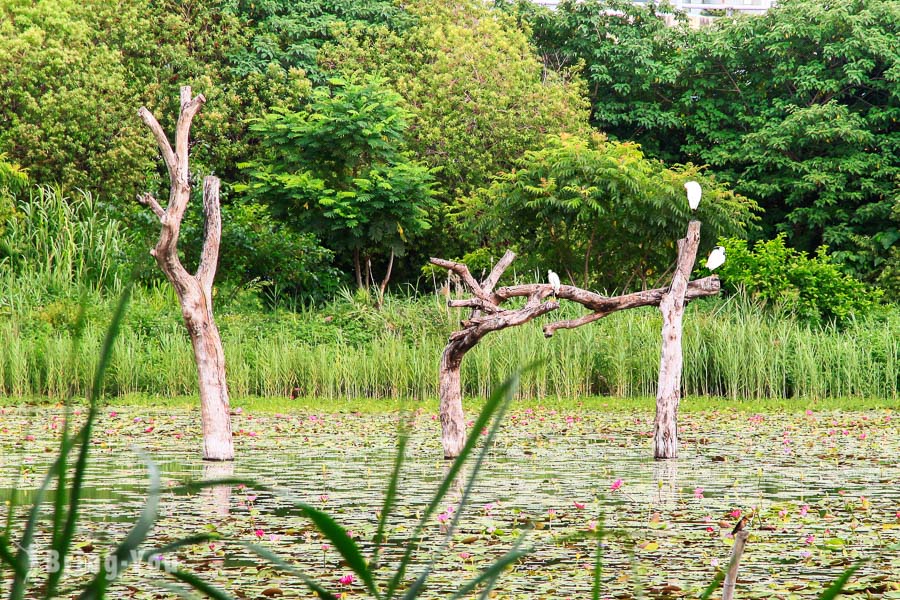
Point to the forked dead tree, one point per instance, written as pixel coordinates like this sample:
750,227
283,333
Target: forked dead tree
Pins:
488,315
194,291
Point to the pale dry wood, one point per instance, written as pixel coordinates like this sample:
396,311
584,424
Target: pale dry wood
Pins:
728,587
194,291
488,315
665,428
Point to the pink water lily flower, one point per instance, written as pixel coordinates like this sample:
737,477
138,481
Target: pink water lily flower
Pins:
578,505
616,485
698,493
347,579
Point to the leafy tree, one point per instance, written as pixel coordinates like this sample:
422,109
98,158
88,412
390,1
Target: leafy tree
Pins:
289,33
600,212
630,58
478,93
796,108
13,179
811,287
799,110
338,168
66,111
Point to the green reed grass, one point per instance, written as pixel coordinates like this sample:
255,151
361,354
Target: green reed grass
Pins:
732,350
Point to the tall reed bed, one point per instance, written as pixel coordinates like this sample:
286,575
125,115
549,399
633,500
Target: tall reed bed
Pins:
731,350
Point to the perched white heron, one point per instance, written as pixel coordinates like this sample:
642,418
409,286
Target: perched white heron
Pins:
553,278
693,193
716,258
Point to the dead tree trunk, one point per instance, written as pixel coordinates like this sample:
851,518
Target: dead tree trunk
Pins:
665,427
194,291
487,315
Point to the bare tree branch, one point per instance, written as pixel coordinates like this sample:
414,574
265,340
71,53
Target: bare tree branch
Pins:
147,199
464,274
497,272
161,140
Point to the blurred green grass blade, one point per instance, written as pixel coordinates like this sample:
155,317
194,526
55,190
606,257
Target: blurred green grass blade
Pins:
495,404
59,504
342,542
391,493
127,550
67,532
289,568
715,584
193,540
192,580
492,572
23,556
598,562
192,487
836,588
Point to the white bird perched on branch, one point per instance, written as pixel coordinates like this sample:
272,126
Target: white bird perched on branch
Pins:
553,278
693,193
716,258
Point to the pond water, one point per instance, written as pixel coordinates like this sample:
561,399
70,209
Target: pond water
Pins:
825,487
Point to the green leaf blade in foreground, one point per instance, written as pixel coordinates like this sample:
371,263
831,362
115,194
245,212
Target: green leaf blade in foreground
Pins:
127,551
343,543
495,404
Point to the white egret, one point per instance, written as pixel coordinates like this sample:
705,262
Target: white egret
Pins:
553,278
693,193
716,258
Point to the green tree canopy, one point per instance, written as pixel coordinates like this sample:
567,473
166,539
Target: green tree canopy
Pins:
338,168
601,213
797,108
476,88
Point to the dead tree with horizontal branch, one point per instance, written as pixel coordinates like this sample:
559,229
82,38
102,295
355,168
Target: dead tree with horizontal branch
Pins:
488,315
194,291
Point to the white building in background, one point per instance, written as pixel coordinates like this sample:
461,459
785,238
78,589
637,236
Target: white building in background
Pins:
703,7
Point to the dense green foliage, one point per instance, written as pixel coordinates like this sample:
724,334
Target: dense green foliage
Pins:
601,213
338,168
811,287
797,109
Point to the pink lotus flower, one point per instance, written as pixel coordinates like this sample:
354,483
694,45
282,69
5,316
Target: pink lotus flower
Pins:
323,498
113,414
710,529
698,493
615,485
325,547
259,532
592,525
347,579
736,513
809,412
809,539
465,555
149,429
442,518
804,509
29,438
578,505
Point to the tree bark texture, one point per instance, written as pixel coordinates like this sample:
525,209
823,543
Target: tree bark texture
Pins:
728,587
488,315
665,427
194,291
